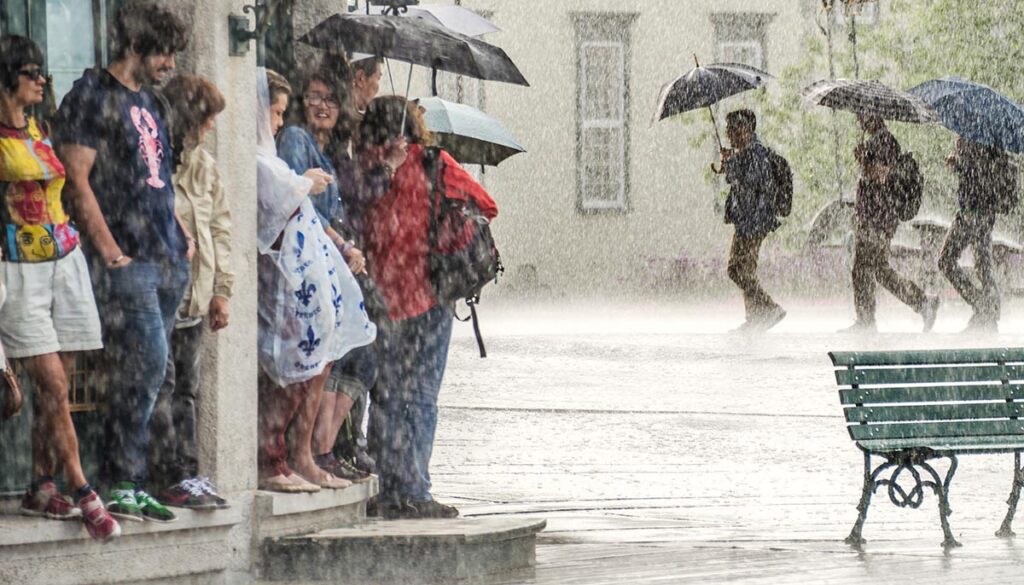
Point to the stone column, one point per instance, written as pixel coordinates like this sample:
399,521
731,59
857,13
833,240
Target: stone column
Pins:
227,418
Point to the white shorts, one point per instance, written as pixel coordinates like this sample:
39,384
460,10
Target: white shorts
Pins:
50,307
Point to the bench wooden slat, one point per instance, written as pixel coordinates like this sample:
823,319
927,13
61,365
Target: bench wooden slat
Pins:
972,428
897,394
928,375
934,412
993,444
926,357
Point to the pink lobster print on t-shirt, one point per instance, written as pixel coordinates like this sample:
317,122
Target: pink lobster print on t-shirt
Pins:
150,148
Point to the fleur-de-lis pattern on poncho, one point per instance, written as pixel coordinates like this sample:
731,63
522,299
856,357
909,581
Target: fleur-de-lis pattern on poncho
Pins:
305,293
310,343
311,307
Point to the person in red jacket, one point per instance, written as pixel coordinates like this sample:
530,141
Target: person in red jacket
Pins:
413,340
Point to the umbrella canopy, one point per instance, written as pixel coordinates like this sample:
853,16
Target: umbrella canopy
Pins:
705,86
457,18
975,111
863,96
468,134
415,41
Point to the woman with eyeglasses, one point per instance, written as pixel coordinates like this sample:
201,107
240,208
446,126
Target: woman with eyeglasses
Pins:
50,313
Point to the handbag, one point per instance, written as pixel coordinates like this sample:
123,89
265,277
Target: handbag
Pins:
11,397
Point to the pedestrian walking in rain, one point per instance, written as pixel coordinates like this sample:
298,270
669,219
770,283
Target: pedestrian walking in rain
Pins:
988,187
203,207
113,139
50,314
880,188
750,207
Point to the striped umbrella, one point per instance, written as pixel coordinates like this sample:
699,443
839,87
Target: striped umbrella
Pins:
871,97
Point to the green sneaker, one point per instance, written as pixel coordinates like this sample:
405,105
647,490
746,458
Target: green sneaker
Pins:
152,509
121,502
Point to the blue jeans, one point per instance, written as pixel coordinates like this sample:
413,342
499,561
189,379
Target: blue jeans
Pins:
137,306
403,415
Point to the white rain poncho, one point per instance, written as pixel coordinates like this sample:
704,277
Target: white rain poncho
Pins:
311,309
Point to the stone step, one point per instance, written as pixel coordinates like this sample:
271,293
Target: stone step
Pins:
414,551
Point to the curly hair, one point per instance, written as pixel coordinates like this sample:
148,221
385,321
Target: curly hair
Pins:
15,53
383,118
147,27
194,100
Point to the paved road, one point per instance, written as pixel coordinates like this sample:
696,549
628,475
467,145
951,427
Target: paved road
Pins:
662,449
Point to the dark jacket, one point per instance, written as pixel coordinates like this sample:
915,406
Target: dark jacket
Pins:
985,183
875,205
876,201
751,202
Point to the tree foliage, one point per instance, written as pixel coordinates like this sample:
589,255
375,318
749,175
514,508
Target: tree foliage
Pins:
912,42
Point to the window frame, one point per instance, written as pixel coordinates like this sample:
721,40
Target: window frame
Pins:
603,30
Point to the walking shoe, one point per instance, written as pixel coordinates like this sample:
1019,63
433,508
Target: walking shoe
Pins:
208,488
47,501
929,311
744,327
771,318
362,461
281,483
981,323
97,519
427,509
344,470
187,494
388,510
860,328
153,510
122,503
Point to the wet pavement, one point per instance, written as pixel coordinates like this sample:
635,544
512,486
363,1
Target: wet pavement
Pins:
663,449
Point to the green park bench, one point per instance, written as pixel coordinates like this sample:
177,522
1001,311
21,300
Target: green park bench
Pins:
910,409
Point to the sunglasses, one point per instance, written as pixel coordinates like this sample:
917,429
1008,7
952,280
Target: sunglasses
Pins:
315,99
33,74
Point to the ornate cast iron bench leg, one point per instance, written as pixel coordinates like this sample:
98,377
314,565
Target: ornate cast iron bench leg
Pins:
1006,531
942,490
855,539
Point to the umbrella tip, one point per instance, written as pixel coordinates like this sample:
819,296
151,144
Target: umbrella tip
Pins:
695,61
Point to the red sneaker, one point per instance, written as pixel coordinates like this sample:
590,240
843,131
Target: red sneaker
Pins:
100,524
47,501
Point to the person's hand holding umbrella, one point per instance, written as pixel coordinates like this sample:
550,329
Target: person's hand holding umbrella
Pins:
703,87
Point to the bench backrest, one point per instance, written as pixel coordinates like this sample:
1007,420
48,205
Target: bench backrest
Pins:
924,394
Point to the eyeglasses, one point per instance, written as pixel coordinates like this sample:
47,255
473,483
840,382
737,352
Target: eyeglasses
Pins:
315,99
33,74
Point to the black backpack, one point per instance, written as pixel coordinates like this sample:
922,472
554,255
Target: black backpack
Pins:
910,184
463,257
782,179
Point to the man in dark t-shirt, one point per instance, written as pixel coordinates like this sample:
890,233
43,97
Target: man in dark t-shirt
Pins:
113,140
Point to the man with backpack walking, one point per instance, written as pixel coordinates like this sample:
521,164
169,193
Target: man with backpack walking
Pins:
888,191
988,186
759,180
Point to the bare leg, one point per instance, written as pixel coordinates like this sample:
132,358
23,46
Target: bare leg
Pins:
334,409
322,434
59,444
300,451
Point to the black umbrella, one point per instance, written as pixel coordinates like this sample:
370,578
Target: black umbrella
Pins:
703,87
415,41
706,86
871,97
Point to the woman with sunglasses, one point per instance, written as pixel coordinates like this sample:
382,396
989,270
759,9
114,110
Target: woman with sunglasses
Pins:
50,313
